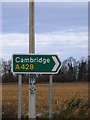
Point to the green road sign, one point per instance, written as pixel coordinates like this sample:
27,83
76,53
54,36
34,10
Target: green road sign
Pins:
35,64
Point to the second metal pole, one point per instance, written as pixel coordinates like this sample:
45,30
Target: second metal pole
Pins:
50,96
20,93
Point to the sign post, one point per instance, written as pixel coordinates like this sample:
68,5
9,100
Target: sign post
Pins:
20,92
34,64
50,96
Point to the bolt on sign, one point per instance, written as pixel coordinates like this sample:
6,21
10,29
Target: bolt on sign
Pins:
35,64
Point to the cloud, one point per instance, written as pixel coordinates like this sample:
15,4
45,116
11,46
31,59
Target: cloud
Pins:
63,44
62,38
13,40
57,16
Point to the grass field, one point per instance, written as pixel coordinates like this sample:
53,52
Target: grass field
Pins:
69,99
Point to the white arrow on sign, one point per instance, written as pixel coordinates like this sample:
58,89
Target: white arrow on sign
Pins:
56,63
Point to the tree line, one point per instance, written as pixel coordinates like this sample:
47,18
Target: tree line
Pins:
71,71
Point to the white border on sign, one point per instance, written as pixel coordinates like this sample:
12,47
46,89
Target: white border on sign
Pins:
35,72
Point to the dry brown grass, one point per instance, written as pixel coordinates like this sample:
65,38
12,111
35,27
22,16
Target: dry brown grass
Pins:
61,93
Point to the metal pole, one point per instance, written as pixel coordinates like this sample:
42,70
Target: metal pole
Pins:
50,96
32,92
31,28
20,92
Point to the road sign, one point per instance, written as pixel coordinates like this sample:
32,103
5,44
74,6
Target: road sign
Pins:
35,64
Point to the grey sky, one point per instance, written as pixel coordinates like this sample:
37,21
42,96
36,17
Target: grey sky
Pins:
60,28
